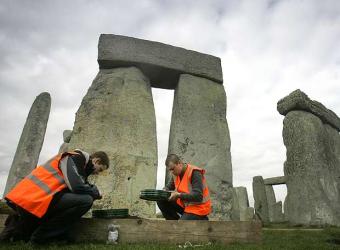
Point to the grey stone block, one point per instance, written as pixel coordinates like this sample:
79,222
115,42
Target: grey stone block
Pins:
117,116
275,180
64,147
67,135
270,194
274,208
161,63
276,212
241,210
199,133
312,169
260,199
31,140
297,100
247,214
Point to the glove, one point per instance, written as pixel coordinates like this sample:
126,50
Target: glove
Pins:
95,193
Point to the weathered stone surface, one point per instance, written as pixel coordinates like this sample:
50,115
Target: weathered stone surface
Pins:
117,116
240,210
274,208
31,140
270,194
247,214
275,180
260,199
275,212
64,147
312,169
297,100
67,135
162,63
199,133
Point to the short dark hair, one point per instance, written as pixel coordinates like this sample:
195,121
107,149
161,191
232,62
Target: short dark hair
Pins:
172,158
103,158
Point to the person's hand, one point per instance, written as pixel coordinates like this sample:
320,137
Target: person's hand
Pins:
174,196
97,195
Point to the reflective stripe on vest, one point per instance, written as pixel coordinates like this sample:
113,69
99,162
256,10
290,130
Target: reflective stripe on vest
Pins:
41,184
54,172
35,192
184,186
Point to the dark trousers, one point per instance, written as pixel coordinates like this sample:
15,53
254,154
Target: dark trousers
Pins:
56,223
172,211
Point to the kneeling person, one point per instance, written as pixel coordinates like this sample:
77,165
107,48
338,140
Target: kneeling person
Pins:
53,197
190,198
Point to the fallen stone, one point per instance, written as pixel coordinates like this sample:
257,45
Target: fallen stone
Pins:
161,63
31,140
199,134
297,100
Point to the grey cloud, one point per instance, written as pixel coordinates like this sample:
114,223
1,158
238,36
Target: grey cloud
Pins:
268,49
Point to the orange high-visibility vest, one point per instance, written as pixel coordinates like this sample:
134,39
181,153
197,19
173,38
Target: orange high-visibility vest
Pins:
34,193
184,186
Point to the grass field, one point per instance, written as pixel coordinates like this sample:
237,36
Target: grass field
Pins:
272,239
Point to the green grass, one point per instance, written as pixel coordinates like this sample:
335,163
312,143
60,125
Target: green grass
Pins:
272,239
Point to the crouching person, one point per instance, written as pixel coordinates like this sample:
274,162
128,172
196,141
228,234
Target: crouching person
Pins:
53,197
189,198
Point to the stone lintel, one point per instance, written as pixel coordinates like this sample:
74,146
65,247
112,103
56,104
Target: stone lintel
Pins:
275,180
297,100
161,63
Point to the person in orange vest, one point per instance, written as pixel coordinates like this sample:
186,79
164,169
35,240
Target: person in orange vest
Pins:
189,199
53,197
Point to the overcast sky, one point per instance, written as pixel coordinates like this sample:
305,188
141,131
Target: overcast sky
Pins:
268,49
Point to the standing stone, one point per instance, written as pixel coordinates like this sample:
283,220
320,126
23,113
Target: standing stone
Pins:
199,134
274,208
67,137
117,116
241,210
31,140
64,147
312,169
270,194
275,212
260,199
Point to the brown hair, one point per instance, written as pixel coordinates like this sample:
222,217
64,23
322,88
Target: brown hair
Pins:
172,158
103,158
